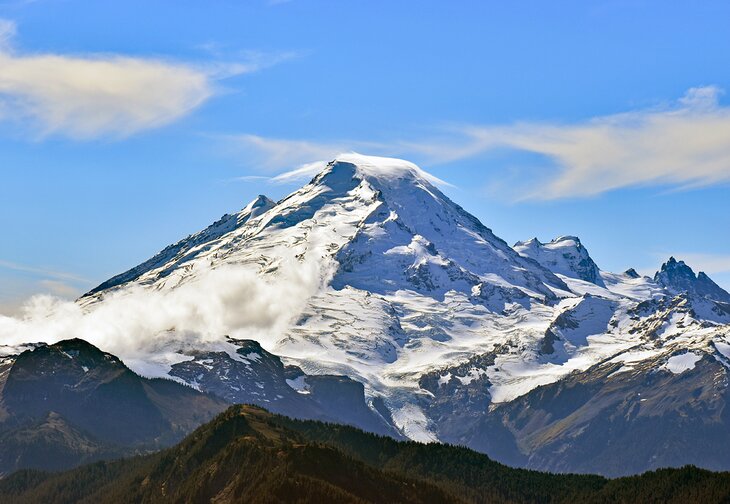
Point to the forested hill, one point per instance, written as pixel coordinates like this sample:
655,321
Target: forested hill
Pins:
247,454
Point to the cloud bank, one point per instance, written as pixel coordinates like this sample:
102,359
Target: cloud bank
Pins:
90,96
681,145
148,328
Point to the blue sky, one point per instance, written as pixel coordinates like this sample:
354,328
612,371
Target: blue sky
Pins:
125,126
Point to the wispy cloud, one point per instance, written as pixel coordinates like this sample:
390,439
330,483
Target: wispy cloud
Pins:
273,155
43,272
681,145
306,157
36,280
7,32
60,289
304,172
88,96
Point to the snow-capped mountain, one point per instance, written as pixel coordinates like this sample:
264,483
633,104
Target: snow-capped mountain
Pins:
454,335
565,255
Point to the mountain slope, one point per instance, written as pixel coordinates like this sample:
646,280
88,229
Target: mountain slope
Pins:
385,245
70,402
249,455
185,250
372,273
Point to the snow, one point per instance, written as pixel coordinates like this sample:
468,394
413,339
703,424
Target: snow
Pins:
474,374
387,169
724,348
252,356
444,379
678,364
590,315
564,255
411,420
622,369
299,384
156,365
370,271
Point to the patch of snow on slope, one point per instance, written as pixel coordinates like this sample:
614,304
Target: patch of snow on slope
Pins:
723,347
678,364
299,384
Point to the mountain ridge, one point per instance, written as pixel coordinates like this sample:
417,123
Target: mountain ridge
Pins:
290,460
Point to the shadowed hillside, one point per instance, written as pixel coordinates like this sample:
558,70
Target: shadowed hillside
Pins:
250,455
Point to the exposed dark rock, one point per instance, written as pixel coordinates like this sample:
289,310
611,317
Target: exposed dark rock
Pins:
678,277
256,376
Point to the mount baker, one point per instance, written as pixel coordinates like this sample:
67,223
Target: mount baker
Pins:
368,297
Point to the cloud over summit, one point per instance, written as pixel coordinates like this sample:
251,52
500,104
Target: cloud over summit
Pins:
682,145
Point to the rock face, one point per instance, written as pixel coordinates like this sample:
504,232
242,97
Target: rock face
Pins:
677,277
617,419
254,376
420,322
69,403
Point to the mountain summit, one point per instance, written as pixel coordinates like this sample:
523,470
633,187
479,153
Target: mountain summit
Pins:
678,277
565,255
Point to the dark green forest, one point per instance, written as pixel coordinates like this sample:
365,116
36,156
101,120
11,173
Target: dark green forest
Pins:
247,454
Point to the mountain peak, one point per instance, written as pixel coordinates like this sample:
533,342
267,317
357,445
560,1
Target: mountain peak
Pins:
259,205
632,273
567,238
259,201
377,169
677,276
565,255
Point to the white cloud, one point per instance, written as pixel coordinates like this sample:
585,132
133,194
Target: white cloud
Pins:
136,322
277,154
103,95
682,145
